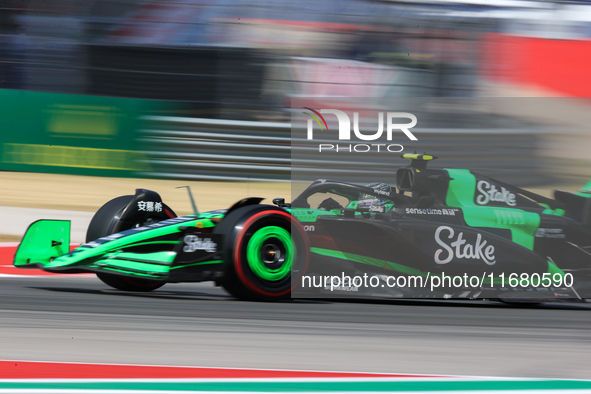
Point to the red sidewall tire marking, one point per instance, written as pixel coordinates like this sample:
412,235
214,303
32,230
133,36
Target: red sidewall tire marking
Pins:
238,255
169,214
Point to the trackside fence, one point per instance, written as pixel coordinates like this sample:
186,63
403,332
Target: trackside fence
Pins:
210,149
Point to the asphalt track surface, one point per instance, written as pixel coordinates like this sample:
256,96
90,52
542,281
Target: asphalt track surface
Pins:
78,319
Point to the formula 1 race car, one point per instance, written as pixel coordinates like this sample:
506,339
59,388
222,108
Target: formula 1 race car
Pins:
436,224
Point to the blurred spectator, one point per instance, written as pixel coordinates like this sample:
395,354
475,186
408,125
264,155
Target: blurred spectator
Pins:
239,58
11,57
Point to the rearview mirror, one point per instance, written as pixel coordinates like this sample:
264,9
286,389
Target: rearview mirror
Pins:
405,179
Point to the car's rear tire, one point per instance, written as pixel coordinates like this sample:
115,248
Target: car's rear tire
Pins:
103,223
266,253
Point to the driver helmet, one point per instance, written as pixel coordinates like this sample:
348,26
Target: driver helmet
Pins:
379,198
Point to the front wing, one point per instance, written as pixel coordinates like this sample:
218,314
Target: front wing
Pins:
170,251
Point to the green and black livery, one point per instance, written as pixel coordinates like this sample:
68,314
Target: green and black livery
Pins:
434,222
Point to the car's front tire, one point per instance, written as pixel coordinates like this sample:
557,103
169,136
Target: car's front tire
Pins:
104,222
266,252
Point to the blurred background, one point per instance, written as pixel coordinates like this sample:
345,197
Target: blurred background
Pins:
98,97
202,89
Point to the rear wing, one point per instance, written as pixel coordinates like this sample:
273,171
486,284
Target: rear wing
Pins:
44,240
